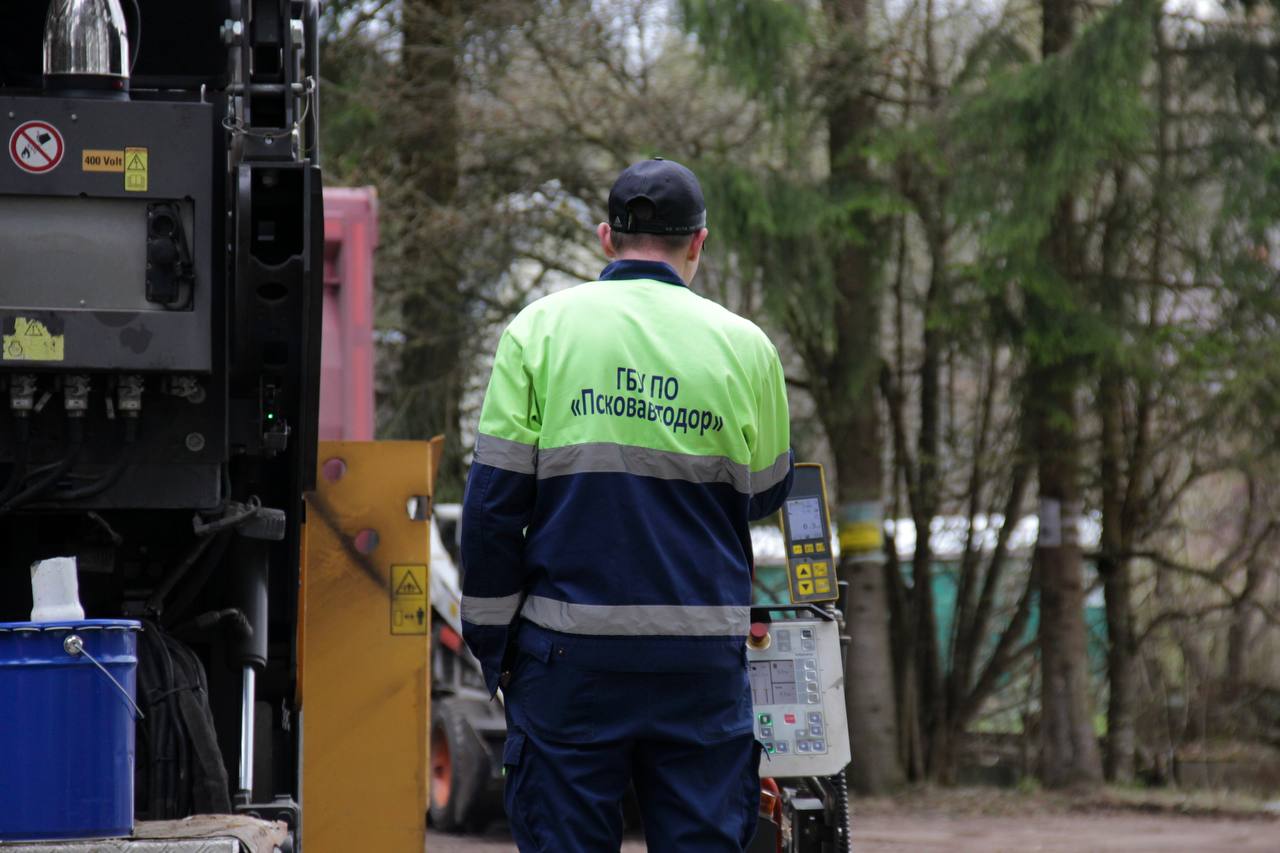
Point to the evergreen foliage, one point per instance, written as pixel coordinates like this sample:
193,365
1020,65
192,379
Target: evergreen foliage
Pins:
1034,136
1152,136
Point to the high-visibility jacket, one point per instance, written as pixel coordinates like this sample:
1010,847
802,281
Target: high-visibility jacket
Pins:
630,431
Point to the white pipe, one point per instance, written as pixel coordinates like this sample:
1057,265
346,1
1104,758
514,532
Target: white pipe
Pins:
247,699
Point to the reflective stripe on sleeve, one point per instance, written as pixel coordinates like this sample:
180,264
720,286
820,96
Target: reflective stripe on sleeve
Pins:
636,620
771,476
490,611
609,458
505,454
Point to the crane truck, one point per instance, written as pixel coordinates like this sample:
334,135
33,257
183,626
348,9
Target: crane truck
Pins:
160,250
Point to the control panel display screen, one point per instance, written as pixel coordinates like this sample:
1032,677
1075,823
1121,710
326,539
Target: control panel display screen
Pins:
804,516
773,682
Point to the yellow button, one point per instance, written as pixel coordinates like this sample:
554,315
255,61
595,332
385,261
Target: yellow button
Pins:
819,570
821,547
808,548
802,570
822,585
796,549
805,587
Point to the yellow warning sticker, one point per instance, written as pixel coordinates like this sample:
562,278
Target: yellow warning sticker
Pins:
98,160
135,170
32,341
410,613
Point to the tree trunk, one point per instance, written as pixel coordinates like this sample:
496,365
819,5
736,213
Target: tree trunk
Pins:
1069,747
853,427
431,361
1069,750
1113,567
1117,495
924,508
1244,619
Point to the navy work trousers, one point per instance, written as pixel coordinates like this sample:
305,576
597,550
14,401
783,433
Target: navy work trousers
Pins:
578,734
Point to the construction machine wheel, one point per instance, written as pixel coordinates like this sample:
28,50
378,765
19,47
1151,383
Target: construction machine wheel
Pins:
459,767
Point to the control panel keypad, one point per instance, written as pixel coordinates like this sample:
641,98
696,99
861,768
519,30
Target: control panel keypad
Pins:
803,732
807,528
797,699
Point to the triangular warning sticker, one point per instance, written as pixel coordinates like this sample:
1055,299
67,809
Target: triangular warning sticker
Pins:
136,164
409,585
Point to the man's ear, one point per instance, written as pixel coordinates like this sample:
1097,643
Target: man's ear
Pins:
605,233
695,245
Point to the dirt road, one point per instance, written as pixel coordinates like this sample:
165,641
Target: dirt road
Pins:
1115,832
1124,833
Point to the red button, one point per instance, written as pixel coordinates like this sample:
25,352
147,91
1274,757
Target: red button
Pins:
790,718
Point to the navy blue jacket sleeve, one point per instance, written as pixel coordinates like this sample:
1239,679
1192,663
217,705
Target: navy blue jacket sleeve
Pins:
766,502
496,510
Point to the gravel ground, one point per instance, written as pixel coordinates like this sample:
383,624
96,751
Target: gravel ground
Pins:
1112,832
1125,833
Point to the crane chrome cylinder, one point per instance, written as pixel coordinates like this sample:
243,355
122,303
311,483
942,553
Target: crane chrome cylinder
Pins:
86,45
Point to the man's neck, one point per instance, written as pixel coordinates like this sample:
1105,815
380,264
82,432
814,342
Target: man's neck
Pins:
642,268
676,264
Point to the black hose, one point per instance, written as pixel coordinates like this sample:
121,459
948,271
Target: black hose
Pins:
209,559
75,430
211,619
22,434
109,479
155,604
183,767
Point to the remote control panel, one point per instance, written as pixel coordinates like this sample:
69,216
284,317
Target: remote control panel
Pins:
811,571
797,690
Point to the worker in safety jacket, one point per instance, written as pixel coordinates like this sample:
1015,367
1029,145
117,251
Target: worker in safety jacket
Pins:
630,431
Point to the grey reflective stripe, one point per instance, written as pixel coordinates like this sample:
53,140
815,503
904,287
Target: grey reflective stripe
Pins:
490,611
608,458
505,454
771,476
636,620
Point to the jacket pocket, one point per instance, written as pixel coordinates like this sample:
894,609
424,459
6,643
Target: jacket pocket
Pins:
553,698
512,749
727,712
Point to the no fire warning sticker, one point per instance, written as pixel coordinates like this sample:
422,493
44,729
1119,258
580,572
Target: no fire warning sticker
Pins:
409,609
36,147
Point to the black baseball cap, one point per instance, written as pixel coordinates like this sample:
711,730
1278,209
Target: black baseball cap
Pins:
657,197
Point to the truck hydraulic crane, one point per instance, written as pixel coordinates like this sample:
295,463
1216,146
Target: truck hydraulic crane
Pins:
160,254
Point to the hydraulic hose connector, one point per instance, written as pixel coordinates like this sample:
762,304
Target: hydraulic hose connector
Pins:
22,394
129,396
75,395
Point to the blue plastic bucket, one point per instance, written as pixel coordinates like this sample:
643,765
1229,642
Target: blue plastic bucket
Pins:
66,729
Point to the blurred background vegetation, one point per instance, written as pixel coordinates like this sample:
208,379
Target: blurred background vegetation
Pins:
1020,258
